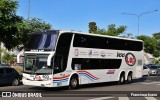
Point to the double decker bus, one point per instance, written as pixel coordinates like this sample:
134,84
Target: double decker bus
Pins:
68,58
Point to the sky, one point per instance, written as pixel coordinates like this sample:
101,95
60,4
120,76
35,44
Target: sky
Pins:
76,14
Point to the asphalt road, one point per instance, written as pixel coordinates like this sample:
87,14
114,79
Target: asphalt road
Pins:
146,88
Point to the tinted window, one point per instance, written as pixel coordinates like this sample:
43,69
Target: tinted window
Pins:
1,70
42,41
90,63
87,41
9,70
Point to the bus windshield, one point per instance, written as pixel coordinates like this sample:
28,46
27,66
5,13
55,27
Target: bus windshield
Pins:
41,41
37,64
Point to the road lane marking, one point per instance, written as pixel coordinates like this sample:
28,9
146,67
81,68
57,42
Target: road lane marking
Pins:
123,98
150,98
101,98
154,82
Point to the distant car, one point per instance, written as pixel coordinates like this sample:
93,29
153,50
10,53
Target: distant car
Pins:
146,71
154,70
9,75
149,65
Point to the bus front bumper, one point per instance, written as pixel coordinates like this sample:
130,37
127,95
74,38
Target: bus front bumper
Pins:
38,83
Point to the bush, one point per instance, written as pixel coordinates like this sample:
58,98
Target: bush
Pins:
156,61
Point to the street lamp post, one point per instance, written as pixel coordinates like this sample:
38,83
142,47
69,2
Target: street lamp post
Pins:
139,15
28,9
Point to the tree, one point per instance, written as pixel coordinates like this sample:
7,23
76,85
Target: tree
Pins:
7,58
156,53
92,27
111,30
14,30
28,27
9,22
150,43
156,35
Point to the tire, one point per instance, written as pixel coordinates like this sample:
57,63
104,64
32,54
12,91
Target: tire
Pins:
15,82
157,73
74,83
129,78
121,79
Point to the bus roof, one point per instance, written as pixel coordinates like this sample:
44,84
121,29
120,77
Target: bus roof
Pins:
85,33
91,34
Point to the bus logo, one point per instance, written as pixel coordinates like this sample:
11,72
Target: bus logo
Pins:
130,59
103,54
76,52
90,52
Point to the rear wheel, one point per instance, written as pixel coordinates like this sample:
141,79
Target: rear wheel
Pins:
129,78
121,79
74,83
157,73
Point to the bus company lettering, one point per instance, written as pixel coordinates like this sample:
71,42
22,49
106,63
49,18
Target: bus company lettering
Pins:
129,58
120,54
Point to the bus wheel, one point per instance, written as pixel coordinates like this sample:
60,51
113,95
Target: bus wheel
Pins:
73,83
129,78
121,79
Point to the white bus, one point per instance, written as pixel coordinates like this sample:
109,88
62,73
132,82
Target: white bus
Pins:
68,58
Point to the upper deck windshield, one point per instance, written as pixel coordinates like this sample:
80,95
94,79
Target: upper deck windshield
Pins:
37,64
42,41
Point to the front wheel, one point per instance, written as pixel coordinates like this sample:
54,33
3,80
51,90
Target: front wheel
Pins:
15,82
74,83
148,73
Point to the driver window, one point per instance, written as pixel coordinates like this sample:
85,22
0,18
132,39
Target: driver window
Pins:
58,64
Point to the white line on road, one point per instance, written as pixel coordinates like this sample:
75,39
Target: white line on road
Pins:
150,98
101,98
123,98
154,82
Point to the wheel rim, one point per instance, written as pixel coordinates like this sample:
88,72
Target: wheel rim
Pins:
129,78
16,82
122,79
74,83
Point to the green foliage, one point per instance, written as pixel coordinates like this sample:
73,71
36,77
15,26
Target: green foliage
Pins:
14,30
7,58
150,43
156,53
112,30
9,22
156,35
92,27
156,61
